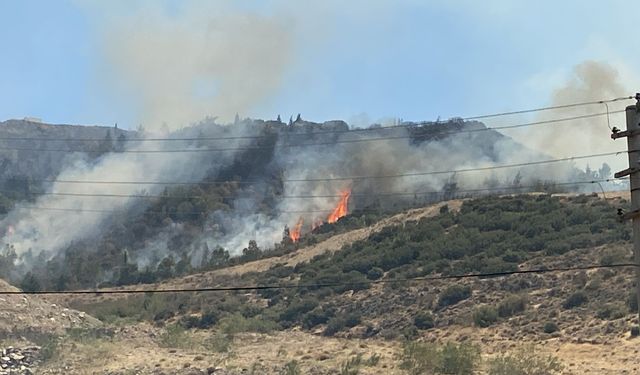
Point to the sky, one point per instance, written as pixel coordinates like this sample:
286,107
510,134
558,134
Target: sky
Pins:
65,61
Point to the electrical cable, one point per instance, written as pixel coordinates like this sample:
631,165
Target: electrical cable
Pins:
343,178
294,145
319,285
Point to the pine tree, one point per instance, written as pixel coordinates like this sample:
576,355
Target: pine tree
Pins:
206,255
279,119
107,143
120,142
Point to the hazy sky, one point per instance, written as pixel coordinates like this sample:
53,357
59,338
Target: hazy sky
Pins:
354,60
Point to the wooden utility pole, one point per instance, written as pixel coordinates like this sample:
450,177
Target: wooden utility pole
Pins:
633,144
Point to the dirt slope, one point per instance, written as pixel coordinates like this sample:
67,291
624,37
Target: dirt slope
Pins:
24,315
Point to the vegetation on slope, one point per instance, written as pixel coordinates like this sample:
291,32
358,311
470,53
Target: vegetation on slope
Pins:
488,235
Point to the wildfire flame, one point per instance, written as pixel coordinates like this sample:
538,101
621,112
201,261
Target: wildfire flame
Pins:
294,233
341,208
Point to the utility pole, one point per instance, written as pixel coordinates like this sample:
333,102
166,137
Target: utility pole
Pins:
633,147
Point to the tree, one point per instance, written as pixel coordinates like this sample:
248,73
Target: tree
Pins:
290,120
206,254
7,261
30,283
120,142
279,119
517,180
107,143
165,268
183,266
298,118
219,257
236,120
251,252
605,171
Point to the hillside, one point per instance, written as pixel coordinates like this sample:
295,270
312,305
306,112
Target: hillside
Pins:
582,317
256,192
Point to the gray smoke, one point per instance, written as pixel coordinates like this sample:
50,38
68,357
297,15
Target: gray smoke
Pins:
208,59
589,81
385,157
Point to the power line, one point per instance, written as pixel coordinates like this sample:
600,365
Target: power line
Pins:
344,178
564,106
290,134
503,188
293,145
312,196
323,285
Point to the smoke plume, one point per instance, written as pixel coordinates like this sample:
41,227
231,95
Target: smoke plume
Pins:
205,60
589,81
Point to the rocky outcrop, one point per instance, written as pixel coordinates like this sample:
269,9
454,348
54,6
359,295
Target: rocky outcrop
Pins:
18,361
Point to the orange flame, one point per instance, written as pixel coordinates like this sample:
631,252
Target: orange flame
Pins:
342,207
294,233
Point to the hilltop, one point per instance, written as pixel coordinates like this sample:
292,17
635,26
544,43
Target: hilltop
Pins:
22,140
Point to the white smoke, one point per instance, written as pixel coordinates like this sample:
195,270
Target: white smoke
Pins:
49,229
207,59
589,81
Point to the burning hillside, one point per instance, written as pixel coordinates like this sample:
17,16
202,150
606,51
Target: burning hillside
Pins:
341,210
260,177
342,207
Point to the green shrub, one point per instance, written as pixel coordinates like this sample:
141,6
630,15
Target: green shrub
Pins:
454,294
316,317
576,299
427,358
340,322
550,327
351,366
237,323
632,302
524,362
420,358
49,349
297,308
611,311
175,336
219,343
375,273
459,359
512,305
484,316
423,320
614,256
203,321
